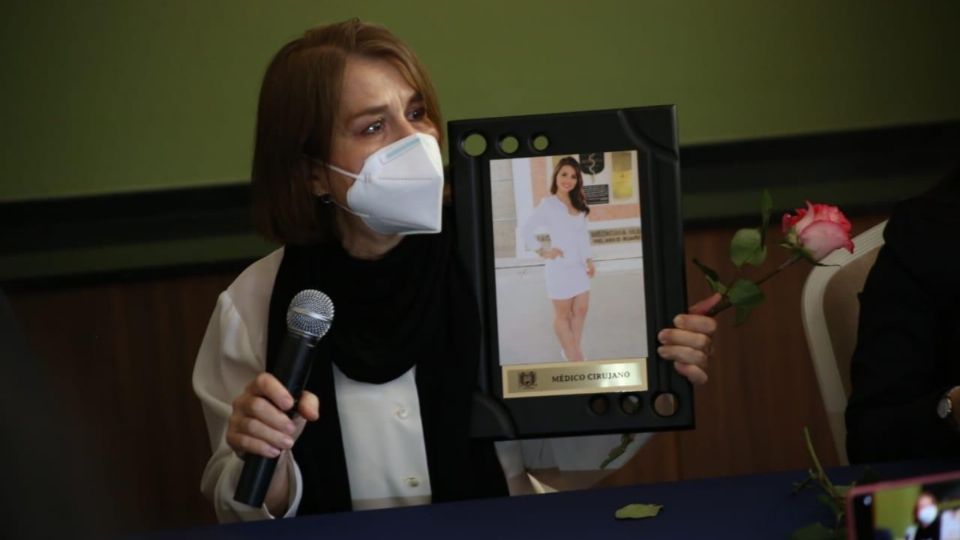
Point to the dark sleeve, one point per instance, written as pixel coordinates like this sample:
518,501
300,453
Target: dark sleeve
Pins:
904,360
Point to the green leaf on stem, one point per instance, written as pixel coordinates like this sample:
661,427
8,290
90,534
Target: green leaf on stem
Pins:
747,248
625,440
744,295
711,276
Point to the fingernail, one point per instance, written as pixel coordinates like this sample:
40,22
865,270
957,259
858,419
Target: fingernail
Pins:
662,336
291,428
274,452
288,442
677,320
661,350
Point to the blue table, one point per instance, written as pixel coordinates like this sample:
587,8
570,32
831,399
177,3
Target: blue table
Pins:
756,506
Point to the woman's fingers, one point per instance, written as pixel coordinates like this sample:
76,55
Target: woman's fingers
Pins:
697,340
264,411
683,354
309,406
694,374
255,429
268,386
243,444
689,345
703,306
258,423
695,323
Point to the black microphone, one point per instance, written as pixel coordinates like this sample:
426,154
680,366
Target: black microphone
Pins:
308,319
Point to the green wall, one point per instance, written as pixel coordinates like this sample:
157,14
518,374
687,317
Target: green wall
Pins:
126,95
894,509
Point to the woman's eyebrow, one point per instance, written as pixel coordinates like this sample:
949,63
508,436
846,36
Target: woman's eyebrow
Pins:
369,111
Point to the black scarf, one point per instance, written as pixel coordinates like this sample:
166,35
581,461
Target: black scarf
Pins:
411,308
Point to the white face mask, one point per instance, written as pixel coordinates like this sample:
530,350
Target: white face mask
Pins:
926,515
399,190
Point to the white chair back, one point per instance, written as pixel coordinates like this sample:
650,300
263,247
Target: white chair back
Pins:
830,311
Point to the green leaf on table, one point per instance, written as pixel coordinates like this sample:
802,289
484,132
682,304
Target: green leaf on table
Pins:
747,247
638,511
711,276
813,531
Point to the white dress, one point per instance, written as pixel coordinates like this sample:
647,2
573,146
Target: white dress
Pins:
566,276
381,427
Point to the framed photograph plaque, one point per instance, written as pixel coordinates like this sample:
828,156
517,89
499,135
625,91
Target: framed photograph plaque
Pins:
571,229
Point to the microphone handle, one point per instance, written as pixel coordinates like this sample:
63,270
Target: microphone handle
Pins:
292,370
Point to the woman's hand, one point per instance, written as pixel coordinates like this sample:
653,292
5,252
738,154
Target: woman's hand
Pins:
551,253
258,423
591,269
689,344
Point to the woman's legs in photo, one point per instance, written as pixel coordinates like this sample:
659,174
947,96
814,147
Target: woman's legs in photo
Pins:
581,303
562,325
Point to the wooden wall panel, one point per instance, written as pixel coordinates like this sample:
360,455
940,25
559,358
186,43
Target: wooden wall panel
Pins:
123,353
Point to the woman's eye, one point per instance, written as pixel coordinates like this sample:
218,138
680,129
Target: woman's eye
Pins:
373,128
418,114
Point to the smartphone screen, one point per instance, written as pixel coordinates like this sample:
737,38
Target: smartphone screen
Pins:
920,508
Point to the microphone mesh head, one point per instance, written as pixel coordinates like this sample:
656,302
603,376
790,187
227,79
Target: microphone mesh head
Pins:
310,314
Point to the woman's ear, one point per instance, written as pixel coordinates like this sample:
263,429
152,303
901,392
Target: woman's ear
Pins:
319,179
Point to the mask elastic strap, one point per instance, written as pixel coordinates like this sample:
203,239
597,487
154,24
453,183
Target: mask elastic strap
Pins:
345,209
341,171
345,173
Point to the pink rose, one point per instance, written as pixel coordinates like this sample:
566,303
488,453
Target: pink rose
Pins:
819,229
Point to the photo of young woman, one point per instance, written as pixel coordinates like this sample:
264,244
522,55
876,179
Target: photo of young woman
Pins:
569,265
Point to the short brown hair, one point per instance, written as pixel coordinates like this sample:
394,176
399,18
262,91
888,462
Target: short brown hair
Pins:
299,103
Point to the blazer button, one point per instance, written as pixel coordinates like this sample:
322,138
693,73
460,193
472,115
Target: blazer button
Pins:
402,413
413,481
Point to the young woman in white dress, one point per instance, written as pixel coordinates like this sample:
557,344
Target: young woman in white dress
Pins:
569,266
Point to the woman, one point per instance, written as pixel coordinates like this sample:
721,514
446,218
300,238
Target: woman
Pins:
569,266
926,513
342,110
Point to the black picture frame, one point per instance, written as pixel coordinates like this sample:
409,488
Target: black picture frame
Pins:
651,132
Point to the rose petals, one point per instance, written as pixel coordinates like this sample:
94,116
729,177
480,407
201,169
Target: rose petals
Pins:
819,229
823,237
